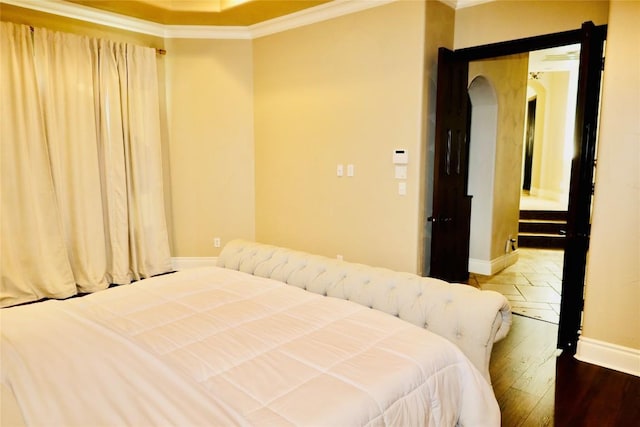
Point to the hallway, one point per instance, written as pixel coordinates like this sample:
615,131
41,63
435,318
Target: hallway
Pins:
533,285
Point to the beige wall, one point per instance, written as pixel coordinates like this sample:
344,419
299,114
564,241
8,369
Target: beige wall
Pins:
550,179
210,120
612,300
504,20
508,76
538,142
344,91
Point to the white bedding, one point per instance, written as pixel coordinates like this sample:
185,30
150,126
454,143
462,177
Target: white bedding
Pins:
216,347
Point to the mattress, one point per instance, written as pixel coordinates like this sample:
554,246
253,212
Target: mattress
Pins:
217,347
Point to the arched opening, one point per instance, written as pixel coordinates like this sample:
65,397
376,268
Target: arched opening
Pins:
482,153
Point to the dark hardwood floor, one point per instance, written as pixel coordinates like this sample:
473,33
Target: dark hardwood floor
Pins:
536,387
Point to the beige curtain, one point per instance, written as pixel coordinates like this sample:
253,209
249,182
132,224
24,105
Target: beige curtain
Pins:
34,258
82,198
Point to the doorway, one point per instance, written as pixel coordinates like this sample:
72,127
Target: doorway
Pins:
451,116
527,269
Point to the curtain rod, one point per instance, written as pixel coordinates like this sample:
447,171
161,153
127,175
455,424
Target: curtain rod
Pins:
159,51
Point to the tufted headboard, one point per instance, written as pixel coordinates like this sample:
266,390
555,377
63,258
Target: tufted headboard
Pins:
470,318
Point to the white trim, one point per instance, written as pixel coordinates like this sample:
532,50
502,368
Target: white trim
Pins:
304,17
313,15
607,355
461,4
89,14
206,32
451,3
489,268
183,263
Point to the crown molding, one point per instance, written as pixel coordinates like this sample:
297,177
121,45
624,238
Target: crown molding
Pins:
461,4
451,3
304,17
313,15
206,32
88,14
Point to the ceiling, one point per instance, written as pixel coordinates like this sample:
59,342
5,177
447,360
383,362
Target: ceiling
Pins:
218,19
242,13
202,12
561,58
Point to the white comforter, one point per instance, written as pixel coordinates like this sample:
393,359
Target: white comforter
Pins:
216,347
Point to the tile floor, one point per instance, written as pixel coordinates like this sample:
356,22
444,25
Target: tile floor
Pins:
532,285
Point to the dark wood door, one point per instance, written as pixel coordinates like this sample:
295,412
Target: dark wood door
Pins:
452,71
450,219
581,185
528,147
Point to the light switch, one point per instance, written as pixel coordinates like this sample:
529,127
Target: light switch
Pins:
350,170
401,172
402,188
340,170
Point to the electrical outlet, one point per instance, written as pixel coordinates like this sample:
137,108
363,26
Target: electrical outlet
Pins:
216,242
511,244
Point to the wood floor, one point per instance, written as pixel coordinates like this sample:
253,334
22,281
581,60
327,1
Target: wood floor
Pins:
535,387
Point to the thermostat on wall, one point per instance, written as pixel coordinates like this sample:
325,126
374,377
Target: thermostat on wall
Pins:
400,156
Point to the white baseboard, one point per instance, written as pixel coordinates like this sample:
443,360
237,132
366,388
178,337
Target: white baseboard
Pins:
607,355
491,267
183,263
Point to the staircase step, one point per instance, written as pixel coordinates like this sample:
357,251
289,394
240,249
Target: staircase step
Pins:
544,215
544,227
528,240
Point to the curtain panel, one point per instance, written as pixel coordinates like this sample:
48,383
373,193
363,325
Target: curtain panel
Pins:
82,198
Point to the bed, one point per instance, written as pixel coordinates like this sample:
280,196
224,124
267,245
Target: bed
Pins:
270,336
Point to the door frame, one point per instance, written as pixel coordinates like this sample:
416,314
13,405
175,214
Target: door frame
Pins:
591,38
